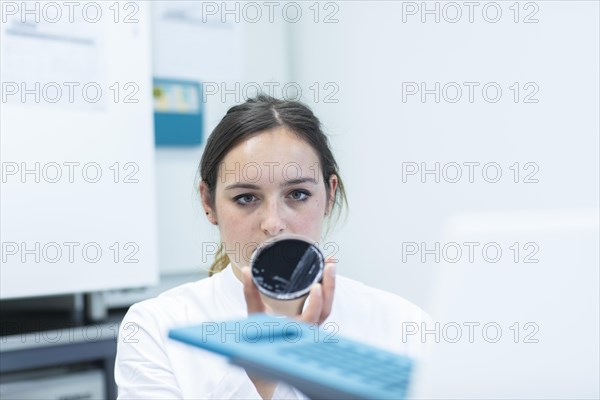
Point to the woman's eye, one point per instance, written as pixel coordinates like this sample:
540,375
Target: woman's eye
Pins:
300,195
244,199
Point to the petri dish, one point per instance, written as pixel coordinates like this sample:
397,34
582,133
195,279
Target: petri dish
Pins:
285,268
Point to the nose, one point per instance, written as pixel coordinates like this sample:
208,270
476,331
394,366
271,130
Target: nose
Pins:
273,221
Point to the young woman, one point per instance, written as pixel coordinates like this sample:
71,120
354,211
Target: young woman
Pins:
267,171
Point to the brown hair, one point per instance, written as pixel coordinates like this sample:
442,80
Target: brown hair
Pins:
260,114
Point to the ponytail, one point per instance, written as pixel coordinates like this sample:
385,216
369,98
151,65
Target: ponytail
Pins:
220,263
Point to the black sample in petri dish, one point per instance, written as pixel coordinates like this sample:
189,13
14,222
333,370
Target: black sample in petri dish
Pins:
285,269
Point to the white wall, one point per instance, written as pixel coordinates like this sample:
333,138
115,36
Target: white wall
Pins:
370,52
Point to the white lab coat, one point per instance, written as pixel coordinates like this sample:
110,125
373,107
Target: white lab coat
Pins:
149,365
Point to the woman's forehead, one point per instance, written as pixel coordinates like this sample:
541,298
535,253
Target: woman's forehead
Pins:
275,155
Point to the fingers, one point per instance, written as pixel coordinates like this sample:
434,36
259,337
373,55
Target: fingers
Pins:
312,313
320,299
328,290
253,301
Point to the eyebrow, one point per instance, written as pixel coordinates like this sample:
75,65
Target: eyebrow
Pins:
241,185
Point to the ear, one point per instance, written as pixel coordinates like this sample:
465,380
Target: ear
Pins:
206,203
333,185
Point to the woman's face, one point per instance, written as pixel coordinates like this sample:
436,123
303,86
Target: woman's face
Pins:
268,185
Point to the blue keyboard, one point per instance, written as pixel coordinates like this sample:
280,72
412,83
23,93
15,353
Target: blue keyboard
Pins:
319,363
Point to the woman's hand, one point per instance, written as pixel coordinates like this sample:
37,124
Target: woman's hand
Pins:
319,308
320,297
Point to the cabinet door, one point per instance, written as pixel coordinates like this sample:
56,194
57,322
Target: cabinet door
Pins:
77,149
